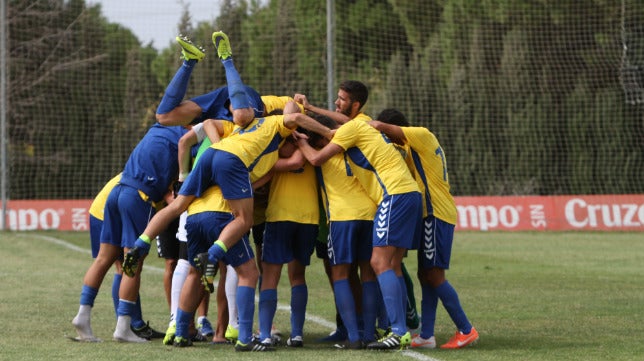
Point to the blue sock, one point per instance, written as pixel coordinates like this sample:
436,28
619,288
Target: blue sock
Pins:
267,307
137,316
125,308
236,91
245,312
448,296
183,319
381,315
116,285
299,299
428,309
215,253
392,296
345,304
369,309
177,88
404,300
88,295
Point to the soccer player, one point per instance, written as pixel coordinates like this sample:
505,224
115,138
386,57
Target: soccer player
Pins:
292,217
173,110
352,96
349,242
96,217
202,329
383,173
146,178
172,243
222,177
83,327
439,210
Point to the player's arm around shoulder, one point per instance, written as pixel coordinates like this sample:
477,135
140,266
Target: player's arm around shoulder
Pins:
394,132
294,119
314,156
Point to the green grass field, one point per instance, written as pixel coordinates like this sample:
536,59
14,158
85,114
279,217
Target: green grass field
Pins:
532,296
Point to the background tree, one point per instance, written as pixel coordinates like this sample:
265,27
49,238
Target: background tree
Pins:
526,97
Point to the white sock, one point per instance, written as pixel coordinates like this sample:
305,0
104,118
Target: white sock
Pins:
178,279
231,295
85,310
82,324
123,333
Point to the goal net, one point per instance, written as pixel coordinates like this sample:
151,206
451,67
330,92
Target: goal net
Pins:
526,98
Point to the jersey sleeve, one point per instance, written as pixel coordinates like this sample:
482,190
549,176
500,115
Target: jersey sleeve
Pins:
345,135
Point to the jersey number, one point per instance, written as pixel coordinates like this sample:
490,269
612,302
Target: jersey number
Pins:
439,152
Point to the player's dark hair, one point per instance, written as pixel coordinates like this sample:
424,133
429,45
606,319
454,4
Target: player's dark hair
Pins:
315,138
357,90
393,116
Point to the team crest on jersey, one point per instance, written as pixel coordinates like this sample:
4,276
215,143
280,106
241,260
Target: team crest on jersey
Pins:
382,220
429,249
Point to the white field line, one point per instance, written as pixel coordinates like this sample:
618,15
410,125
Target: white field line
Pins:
315,319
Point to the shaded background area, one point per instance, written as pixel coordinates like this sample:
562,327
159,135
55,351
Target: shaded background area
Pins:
527,98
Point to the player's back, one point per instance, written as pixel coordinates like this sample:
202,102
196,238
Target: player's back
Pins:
293,196
153,164
374,160
335,185
429,162
261,138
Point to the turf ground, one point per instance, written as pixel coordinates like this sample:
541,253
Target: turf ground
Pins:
532,296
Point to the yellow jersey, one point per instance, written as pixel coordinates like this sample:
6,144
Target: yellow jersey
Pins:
430,166
374,160
343,197
293,196
97,207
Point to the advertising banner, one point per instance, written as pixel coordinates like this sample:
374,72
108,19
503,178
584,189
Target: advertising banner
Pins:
508,213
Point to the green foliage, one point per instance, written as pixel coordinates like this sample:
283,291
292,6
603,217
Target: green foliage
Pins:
525,97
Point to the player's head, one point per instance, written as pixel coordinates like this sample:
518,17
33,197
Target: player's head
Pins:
352,96
315,139
393,116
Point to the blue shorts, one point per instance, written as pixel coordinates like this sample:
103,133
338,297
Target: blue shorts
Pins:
349,241
254,101
204,229
95,228
398,221
217,167
286,241
436,244
126,216
214,105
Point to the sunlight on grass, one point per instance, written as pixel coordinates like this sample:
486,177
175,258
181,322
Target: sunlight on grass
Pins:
532,296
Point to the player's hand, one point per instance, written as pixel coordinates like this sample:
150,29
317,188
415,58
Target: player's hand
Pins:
297,136
301,99
134,255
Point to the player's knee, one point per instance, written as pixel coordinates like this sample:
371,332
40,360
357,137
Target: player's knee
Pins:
163,119
244,116
247,273
379,265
